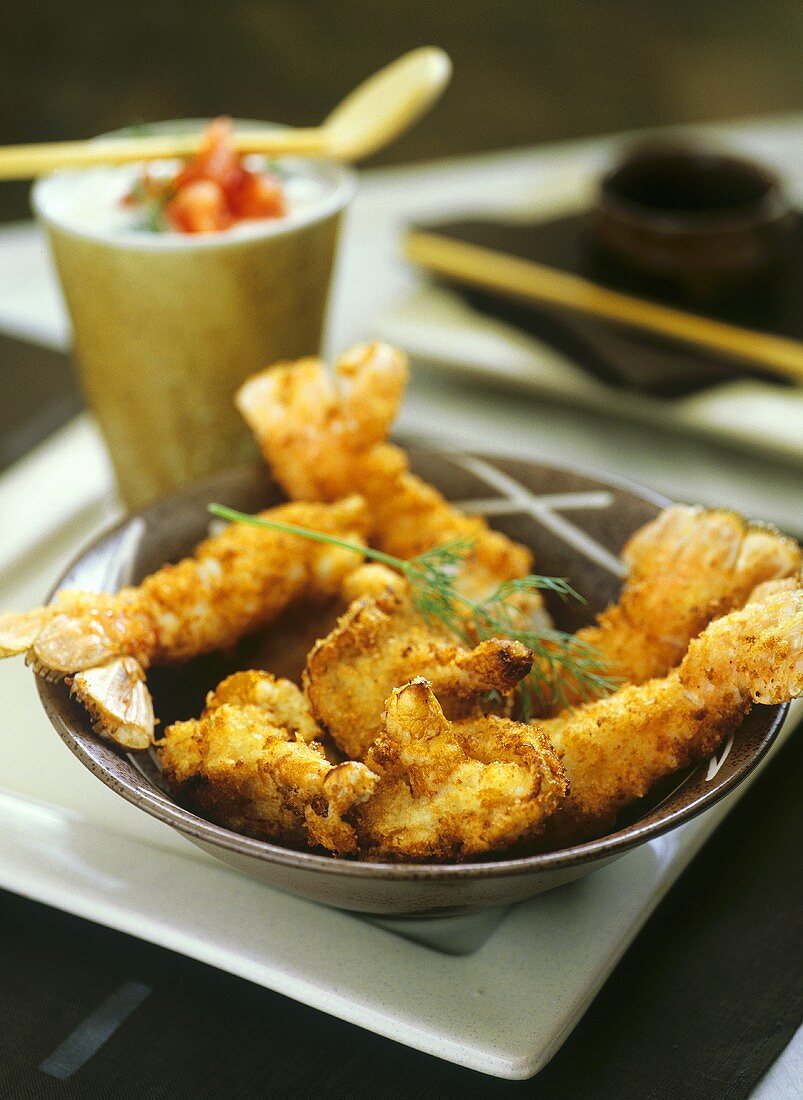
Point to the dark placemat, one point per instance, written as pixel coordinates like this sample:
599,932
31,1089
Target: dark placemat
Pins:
616,355
702,1004
38,393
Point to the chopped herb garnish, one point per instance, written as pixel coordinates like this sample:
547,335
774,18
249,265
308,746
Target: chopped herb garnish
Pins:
559,657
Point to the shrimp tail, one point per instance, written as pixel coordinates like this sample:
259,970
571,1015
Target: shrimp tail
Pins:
118,702
19,629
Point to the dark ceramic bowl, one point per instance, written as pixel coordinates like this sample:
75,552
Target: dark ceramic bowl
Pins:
575,522
691,222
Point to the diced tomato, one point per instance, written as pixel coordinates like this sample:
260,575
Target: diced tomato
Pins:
216,159
259,195
213,190
199,207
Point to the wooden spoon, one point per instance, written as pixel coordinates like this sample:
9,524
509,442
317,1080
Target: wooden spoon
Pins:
370,117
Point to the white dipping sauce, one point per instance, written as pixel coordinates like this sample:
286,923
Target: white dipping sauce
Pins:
92,200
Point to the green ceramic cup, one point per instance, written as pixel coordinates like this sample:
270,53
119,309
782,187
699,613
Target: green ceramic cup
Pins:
167,326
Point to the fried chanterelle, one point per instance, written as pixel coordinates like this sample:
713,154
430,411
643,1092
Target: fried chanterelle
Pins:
252,762
382,642
429,788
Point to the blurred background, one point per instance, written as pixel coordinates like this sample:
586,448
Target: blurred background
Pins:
526,71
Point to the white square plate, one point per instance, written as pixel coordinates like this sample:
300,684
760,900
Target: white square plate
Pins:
68,841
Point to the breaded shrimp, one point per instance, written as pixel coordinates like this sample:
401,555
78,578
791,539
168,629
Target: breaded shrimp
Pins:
686,567
322,437
447,791
244,766
235,582
615,749
325,438
379,644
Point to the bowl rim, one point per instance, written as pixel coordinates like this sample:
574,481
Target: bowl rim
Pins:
164,809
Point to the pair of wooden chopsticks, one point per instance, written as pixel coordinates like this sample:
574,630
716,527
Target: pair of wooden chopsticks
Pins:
528,281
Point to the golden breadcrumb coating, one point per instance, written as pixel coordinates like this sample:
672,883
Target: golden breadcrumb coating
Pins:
379,644
686,567
430,790
241,766
321,437
448,791
280,700
615,749
324,438
234,583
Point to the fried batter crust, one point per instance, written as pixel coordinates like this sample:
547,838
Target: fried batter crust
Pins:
686,567
244,766
615,749
234,583
283,705
325,438
430,789
448,791
382,642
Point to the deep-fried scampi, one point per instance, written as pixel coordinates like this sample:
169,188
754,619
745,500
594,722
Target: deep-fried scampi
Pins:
235,582
434,789
324,438
615,749
687,567
249,766
281,702
382,642
452,790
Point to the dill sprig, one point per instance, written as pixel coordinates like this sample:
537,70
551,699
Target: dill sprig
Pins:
149,197
559,658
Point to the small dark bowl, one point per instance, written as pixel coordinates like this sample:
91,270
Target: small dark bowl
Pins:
169,529
697,225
